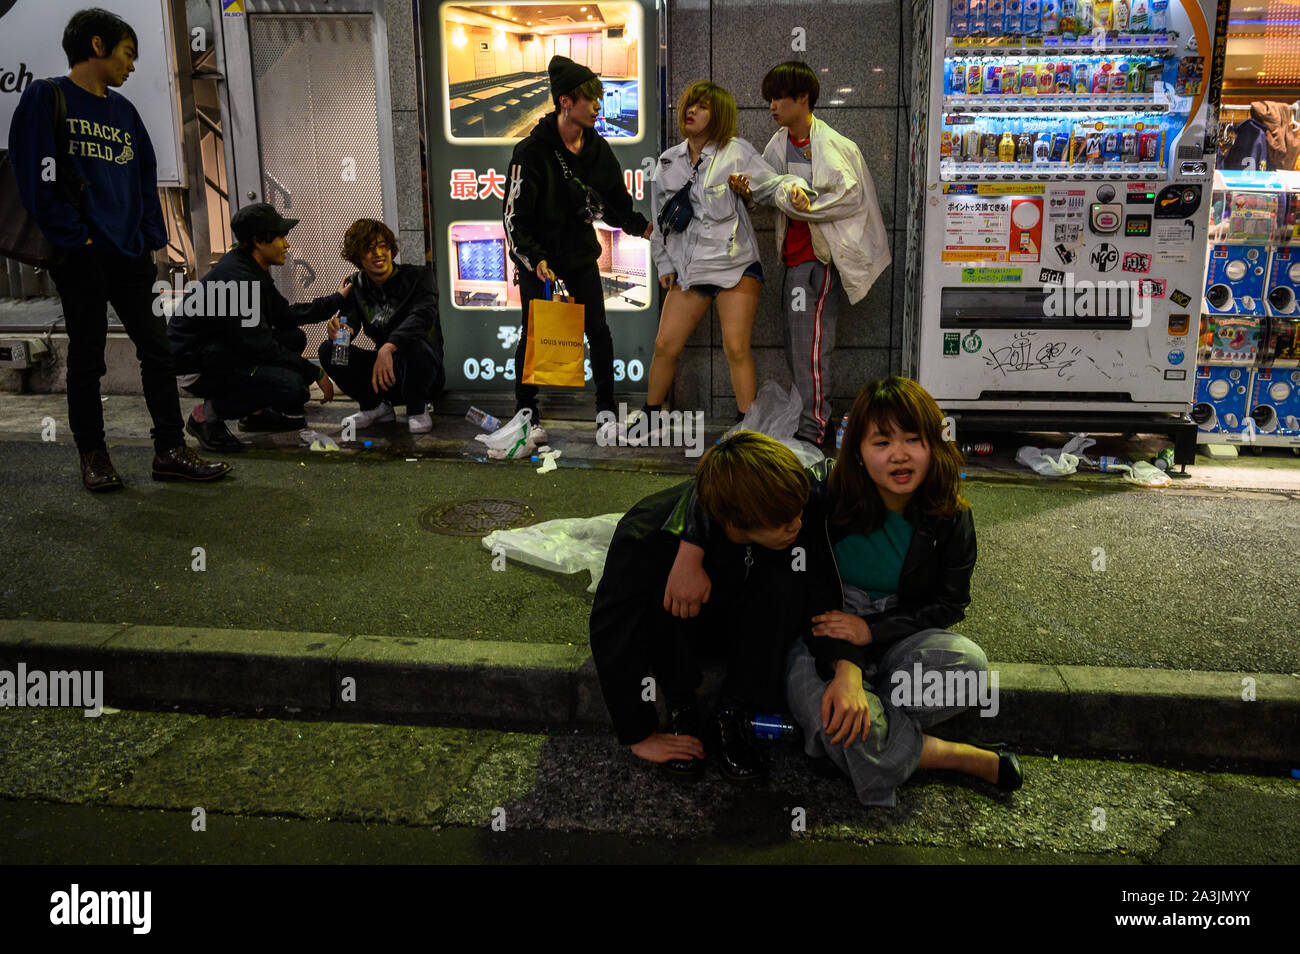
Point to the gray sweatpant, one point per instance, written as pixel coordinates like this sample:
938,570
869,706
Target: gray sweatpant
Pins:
811,296
892,749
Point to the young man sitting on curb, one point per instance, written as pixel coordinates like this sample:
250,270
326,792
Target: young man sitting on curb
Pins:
397,305
771,572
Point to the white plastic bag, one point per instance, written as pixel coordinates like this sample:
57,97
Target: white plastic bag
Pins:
1047,463
1058,462
1144,474
317,441
562,546
512,439
776,414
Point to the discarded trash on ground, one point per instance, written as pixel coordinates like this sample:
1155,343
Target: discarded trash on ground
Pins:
514,439
776,414
548,461
317,441
1144,474
483,420
561,546
1060,462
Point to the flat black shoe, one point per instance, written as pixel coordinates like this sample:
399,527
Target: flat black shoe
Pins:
181,463
684,720
214,436
98,473
271,420
738,757
1010,777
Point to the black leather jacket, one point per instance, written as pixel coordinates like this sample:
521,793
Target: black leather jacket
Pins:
933,585
640,557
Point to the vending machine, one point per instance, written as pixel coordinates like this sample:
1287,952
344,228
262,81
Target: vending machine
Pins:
1064,207
1248,360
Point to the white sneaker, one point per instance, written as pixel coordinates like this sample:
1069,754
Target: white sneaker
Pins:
639,430
383,414
607,433
616,433
420,423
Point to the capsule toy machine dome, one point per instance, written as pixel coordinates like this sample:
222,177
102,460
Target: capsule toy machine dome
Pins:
1248,365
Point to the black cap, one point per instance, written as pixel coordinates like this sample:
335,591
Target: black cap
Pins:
259,219
566,76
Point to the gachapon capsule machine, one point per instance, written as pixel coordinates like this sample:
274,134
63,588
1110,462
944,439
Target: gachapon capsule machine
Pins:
1248,365
1063,210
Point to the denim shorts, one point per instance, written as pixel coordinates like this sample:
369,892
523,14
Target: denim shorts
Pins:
755,270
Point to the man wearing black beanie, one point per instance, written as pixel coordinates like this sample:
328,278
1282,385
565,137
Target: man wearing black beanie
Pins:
563,176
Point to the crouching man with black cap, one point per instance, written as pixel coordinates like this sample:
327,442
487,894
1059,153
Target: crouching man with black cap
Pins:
563,177
247,355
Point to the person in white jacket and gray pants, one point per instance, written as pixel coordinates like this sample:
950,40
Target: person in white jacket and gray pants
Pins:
713,256
840,239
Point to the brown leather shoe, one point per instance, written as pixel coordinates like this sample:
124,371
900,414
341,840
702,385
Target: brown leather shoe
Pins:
98,473
181,463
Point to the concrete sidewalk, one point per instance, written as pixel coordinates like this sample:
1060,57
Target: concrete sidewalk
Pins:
1077,710
318,569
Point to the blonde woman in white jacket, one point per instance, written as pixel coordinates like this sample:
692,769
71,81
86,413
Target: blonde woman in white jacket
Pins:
715,257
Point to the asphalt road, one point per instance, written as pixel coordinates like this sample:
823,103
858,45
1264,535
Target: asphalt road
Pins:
331,543
124,788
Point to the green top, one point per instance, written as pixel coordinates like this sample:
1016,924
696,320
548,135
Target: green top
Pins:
873,561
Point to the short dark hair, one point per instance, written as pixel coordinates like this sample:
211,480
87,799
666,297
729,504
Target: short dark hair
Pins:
362,235
593,89
751,482
264,238
87,24
791,78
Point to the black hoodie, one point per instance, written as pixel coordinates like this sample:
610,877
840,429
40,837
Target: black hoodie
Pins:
402,310
544,208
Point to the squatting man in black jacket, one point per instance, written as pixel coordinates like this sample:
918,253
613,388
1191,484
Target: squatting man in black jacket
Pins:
564,176
239,346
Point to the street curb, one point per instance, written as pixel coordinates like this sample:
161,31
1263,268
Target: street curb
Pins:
1152,713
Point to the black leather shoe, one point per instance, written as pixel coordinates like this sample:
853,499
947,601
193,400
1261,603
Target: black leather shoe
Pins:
181,463
214,436
271,420
1010,777
684,720
738,757
98,473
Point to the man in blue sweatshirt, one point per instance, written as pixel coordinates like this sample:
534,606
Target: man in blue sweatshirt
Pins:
105,234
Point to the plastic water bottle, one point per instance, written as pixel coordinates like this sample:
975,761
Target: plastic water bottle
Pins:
772,726
839,432
482,419
981,449
339,354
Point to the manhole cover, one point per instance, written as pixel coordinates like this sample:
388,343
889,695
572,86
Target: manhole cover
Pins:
477,517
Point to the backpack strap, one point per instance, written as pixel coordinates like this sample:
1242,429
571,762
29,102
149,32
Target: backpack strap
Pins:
77,183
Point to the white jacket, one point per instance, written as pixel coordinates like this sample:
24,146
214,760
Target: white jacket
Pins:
719,243
845,221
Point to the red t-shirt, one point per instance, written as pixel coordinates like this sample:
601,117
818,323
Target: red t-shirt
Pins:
798,247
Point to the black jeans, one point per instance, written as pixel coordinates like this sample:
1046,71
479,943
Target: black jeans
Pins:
88,280
416,367
238,393
585,287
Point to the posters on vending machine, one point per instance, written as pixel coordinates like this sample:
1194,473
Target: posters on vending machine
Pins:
992,222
